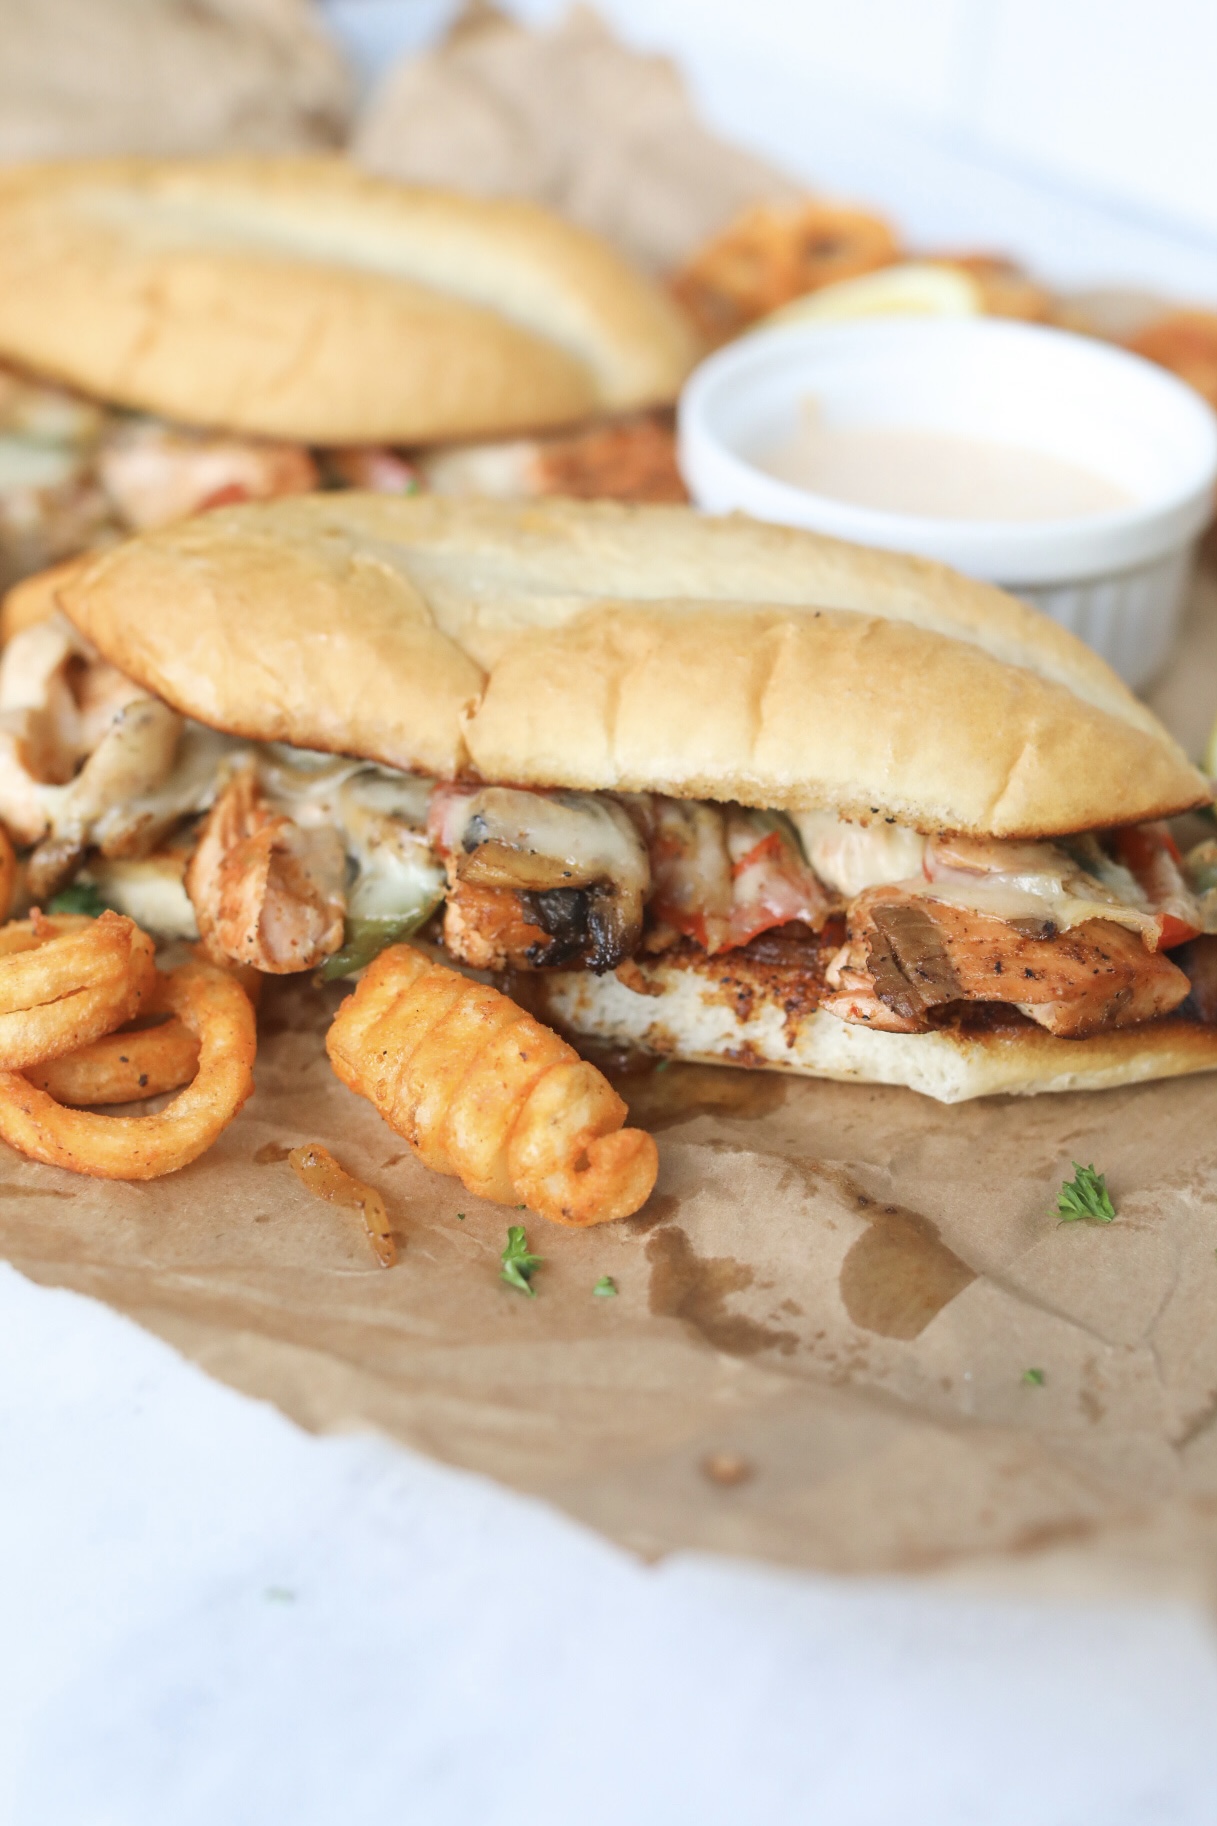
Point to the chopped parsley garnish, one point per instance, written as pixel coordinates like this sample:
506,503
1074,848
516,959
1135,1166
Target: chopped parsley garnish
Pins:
1085,1196
518,1264
1035,1378
605,1287
81,897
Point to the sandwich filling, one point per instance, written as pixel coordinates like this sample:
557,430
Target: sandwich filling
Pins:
290,860
75,475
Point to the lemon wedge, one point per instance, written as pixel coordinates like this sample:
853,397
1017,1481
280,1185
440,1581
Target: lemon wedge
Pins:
917,288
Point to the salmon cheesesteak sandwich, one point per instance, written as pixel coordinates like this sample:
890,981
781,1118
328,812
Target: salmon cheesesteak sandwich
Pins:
713,789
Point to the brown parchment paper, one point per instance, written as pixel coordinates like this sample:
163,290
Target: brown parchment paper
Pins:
825,1312
570,117
88,78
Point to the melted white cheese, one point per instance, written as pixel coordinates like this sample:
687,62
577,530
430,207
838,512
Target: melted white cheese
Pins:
148,889
1042,882
853,857
381,816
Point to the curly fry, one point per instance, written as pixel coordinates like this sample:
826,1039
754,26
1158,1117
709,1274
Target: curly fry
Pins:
136,1062
217,1011
65,981
482,1091
121,1067
250,979
769,256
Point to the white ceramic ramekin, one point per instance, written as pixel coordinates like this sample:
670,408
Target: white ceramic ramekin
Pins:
1118,579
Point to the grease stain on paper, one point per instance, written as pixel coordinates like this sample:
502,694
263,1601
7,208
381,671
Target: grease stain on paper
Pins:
657,1210
899,1274
661,1094
694,1288
269,1153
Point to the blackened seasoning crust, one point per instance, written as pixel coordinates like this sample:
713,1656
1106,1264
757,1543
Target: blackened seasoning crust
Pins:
784,966
561,913
583,925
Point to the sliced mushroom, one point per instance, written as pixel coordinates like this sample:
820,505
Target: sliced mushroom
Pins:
574,861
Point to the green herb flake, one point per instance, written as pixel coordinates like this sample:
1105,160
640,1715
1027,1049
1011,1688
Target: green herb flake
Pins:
460,1217
1034,1378
518,1264
605,1287
81,897
1085,1196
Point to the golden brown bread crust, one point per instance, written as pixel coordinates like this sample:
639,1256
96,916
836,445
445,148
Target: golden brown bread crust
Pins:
829,709
300,298
35,598
601,646
710,1012
318,642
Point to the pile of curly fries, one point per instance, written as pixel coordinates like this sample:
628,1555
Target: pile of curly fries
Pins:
77,1000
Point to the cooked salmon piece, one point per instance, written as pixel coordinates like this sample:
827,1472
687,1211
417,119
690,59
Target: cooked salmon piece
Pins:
909,955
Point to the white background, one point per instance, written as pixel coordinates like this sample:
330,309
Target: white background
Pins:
209,1619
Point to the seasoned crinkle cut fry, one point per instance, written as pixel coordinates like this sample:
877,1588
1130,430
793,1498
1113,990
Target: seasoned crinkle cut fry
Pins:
482,1091
67,980
485,1106
439,1067
570,1152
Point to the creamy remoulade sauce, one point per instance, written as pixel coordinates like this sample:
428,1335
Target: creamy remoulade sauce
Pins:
902,469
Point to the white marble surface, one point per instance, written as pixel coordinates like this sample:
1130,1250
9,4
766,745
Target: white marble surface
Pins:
210,1619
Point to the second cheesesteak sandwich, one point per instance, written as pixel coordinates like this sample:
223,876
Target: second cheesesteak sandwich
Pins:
716,789
176,334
